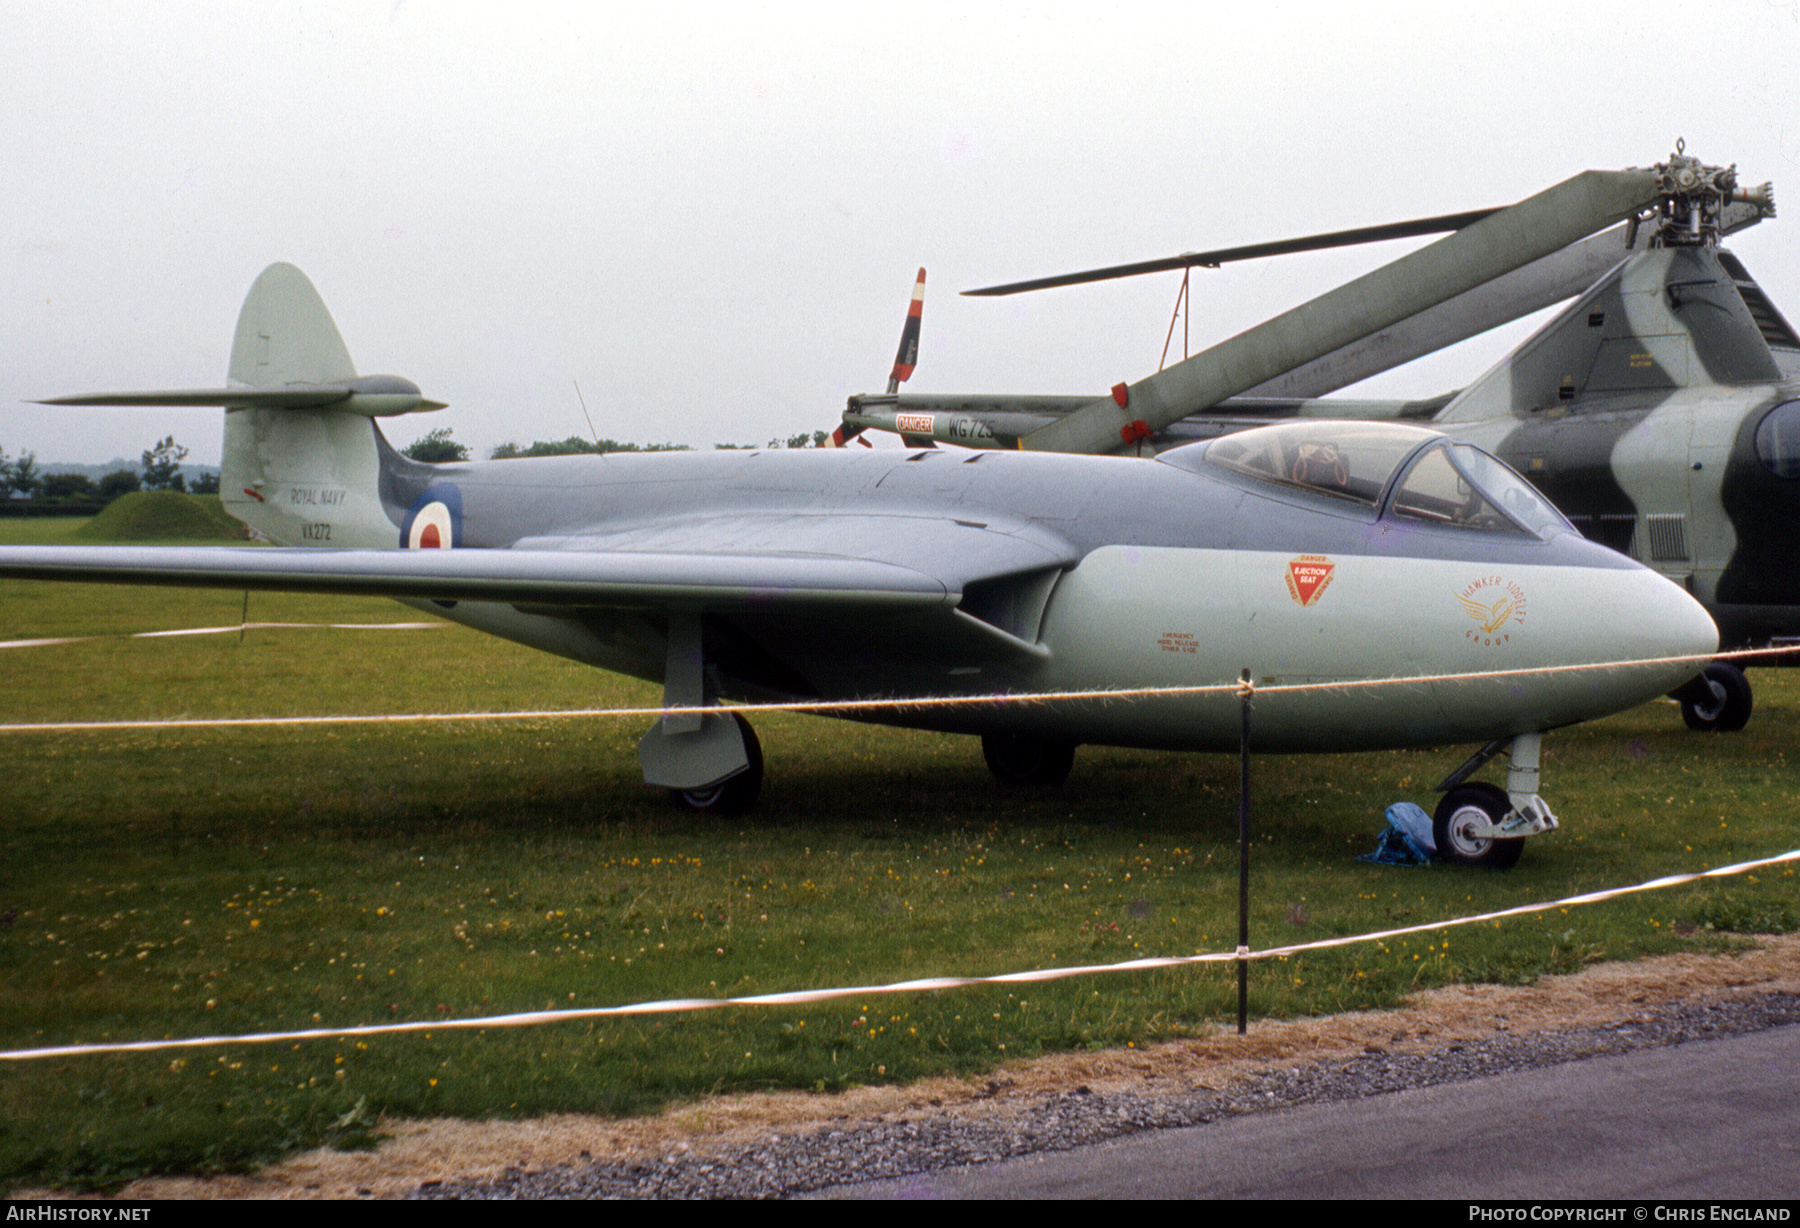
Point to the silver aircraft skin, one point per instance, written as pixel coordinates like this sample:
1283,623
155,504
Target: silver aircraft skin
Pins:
1659,411
1334,553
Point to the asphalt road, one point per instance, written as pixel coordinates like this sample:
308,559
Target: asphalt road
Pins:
1716,1119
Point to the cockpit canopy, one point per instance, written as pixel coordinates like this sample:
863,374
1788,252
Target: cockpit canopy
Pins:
1397,471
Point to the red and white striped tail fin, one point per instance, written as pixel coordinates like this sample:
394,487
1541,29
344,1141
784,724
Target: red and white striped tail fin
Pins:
904,361
908,356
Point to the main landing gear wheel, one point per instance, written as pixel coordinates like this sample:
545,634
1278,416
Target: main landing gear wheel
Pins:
1019,762
1469,806
1718,701
734,795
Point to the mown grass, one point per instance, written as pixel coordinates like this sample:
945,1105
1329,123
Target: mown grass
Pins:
158,883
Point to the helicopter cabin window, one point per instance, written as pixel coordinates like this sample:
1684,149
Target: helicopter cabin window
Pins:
1346,460
1778,440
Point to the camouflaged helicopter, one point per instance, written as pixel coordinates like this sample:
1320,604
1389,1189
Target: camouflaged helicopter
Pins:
1659,411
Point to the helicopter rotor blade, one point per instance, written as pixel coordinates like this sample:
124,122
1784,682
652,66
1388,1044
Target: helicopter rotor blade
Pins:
1253,251
1558,276
1484,250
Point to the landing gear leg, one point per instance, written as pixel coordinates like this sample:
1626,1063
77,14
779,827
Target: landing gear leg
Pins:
709,762
1479,824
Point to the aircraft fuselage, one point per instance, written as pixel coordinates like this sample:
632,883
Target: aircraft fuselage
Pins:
1121,573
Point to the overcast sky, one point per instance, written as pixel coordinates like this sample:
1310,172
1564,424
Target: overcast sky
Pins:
711,218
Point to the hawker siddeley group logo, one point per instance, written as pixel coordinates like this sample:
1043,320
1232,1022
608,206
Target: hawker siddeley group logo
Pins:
1497,607
1308,575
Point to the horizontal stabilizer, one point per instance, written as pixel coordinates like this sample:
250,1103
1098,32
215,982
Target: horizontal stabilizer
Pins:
374,396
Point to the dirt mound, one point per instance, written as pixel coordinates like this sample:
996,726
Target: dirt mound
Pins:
163,515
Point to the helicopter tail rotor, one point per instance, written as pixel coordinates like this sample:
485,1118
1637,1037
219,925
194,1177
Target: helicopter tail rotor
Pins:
904,360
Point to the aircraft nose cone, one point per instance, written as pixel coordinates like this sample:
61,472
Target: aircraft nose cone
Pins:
1687,631
1614,634
1653,620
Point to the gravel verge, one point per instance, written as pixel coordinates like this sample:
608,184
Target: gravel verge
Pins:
783,1165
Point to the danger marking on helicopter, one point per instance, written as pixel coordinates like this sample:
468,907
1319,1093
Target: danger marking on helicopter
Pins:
1492,602
1308,575
913,424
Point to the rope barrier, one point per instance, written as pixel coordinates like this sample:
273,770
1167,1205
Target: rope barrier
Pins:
1242,955
1240,689
238,627
1236,688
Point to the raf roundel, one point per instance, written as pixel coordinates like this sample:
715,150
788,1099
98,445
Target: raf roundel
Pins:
434,522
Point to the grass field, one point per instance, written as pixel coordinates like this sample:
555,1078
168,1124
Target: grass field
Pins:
173,883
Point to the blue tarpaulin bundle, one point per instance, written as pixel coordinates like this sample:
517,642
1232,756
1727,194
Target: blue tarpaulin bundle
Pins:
1407,841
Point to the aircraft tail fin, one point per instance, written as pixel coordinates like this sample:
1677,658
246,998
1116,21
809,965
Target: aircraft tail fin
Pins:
304,462
285,335
318,474
1664,319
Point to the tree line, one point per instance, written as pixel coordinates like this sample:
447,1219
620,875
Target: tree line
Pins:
161,464
161,470
439,448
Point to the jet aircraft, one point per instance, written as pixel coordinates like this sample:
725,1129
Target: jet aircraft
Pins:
1323,553
1660,410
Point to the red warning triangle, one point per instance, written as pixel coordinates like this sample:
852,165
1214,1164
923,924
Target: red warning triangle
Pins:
1308,575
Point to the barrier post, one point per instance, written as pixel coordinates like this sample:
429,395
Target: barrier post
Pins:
1243,947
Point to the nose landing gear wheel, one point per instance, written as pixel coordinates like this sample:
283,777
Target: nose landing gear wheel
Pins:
1470,806
734,795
